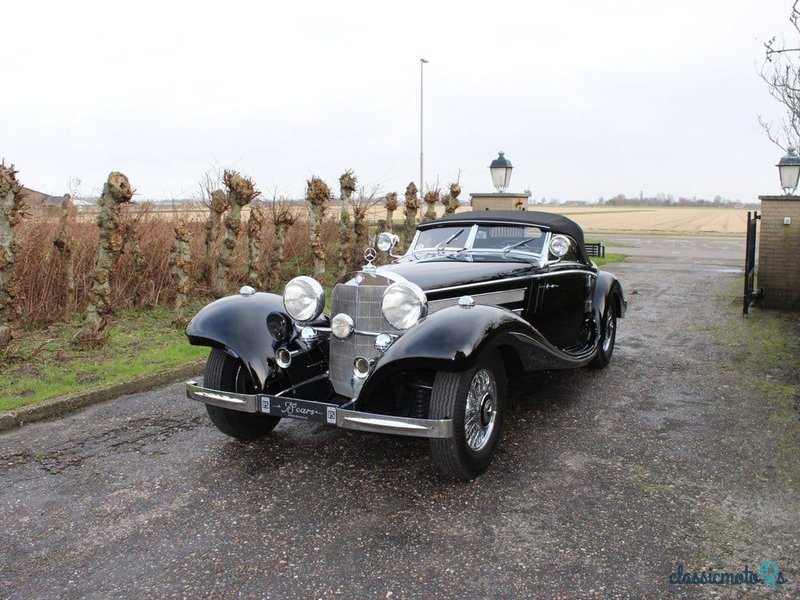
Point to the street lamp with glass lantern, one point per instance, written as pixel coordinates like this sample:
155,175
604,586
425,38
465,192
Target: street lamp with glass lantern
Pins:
501,172
789,169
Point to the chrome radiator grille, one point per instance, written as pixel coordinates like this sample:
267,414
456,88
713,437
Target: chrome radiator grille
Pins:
363,304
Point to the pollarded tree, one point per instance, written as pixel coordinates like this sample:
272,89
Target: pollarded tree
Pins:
450,201
412,205
282,217
318,195
347,185
241,192
411,210
781,73
63,245
431,198
255,225
218,202
116,192
11,209
361,207
180,266
391,206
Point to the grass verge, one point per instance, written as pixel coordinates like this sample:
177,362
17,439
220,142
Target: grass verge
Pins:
611,244
767,341
608,258
46,364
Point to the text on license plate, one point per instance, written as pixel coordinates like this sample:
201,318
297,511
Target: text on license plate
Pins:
298,409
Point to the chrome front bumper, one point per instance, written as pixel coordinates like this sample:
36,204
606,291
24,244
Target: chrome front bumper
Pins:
320,412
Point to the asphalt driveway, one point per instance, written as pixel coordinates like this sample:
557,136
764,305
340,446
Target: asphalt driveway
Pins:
603,484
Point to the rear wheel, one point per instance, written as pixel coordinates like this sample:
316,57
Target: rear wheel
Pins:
608,335
475,401
227,374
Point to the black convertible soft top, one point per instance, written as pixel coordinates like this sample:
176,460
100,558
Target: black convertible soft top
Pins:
550,221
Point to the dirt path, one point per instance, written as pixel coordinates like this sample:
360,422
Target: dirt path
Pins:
683,451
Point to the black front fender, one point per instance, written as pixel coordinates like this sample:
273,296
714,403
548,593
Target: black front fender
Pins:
453,338
238,325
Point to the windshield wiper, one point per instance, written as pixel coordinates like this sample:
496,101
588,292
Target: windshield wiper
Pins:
464,254
438,247
522,243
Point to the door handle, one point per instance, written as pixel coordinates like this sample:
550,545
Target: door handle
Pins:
550,286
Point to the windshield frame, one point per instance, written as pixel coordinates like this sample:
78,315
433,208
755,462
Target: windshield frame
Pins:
431,251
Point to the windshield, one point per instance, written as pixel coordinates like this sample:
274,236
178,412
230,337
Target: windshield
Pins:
431,238
485,238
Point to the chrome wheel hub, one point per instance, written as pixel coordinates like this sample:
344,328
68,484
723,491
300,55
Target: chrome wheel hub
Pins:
608,335
481,412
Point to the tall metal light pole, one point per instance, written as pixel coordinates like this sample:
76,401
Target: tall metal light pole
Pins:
422,62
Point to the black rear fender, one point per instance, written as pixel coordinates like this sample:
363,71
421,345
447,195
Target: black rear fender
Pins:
607,289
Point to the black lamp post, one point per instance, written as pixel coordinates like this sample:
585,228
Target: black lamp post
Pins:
789,169
501,172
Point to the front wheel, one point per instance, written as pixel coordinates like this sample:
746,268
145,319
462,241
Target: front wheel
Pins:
608,335
227,374
475,401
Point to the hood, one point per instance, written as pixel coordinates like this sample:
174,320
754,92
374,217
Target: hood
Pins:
433,274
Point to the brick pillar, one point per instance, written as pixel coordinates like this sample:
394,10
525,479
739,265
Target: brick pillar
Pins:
779,252
500,201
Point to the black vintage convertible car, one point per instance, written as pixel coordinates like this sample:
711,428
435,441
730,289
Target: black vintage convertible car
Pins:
420,347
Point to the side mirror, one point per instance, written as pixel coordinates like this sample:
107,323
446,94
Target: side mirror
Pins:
387,242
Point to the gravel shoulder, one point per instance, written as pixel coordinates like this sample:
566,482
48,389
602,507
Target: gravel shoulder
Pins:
682,451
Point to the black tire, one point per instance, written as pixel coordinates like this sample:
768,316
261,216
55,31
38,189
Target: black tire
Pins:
227,374
608,336
457,456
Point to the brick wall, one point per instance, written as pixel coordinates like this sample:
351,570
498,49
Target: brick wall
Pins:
779,252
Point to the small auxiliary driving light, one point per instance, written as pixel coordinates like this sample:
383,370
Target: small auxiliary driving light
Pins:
360,367
283,357
342,326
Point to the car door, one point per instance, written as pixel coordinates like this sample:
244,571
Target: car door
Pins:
563,303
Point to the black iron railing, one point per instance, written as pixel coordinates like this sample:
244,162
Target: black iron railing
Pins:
751,294
596,249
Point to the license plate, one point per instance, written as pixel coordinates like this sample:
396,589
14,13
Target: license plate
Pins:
306,410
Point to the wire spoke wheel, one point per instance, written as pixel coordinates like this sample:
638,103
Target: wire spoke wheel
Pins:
609,330
480,414
475,401
608,335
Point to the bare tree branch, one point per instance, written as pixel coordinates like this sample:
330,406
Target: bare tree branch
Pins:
781,73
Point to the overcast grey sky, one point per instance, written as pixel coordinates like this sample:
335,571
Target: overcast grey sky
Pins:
586,98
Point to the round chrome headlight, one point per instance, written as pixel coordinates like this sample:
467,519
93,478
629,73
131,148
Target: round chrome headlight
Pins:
304,298
559,245
387,241
404,304
342,326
